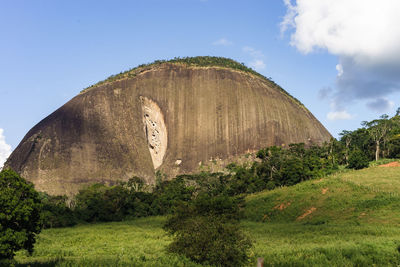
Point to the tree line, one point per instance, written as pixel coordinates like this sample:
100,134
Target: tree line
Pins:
376,139
275,167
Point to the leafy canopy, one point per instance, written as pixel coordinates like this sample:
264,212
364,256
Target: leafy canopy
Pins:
20,207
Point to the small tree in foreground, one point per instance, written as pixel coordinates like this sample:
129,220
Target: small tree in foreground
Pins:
206,230
20,207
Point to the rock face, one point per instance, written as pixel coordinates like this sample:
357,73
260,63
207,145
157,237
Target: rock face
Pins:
170,117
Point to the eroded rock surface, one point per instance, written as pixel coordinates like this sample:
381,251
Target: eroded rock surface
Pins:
155,130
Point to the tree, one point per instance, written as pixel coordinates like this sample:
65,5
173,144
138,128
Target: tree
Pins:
20,208
397,112
378,130
393,138
346,137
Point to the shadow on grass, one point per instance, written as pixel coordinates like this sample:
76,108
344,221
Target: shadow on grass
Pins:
46,263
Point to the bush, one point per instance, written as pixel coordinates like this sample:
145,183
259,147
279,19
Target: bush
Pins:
169,193
101,203
286,167
357,160
55,212
125,200
206,230
20,207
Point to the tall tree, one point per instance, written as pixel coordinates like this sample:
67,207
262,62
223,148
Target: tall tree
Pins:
346,137
378,130
20,207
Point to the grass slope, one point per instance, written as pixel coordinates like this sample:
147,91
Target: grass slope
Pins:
348,219
365,196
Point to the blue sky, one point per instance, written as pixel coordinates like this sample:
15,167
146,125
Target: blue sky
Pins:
51,50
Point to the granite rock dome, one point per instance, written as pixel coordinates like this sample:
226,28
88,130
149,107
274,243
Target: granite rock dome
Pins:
172,116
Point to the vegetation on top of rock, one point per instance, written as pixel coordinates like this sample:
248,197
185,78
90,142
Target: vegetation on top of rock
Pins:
199,61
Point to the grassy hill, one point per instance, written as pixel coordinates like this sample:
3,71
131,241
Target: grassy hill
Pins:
348,219
365,196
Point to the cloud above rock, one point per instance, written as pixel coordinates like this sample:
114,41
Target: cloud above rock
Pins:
257,56
339,115
257,64
363,34
5,149
223,42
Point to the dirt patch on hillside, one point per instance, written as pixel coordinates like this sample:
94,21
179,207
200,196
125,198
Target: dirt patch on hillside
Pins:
362,214
282,206
391,164
308,212
324,190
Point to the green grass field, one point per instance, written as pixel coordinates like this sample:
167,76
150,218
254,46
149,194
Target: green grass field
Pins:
138,242
347,219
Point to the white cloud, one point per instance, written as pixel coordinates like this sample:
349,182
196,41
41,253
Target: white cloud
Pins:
362,29
339,115
288,19
365,36
257,64
339,69
253,52
223,42
5,149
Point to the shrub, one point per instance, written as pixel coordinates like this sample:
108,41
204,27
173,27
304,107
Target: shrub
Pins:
357,160
290,166
20,207
101,203
169,193
125,200
55,212
206,230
